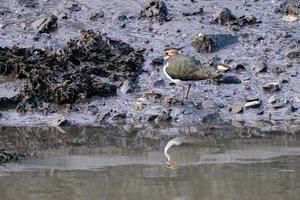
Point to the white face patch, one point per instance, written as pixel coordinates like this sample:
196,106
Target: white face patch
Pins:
166,57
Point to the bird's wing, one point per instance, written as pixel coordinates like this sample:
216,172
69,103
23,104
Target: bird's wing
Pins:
187,69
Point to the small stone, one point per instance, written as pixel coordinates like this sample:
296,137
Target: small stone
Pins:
208,104
252,104
203,43
138,106
63,122
97,15
157,61
152,95
199,12
252,98
272,99
271,87
72,6
294,55
127,87
259,65
2,25
240,68
223,67
290,18
222,79
156,9
237,108
45,25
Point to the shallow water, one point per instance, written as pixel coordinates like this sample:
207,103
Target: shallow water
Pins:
114,166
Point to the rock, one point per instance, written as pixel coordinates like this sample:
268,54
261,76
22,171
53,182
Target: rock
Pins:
203,43
45,25
127,87
240,68
272,99
60,15
72,6
157,61
227,79
2,25
152,95
97,15
187,13
157,10
236,108
159,83
271,87
294,55
252,104
224,17
223,67
259,65
278,70
290,18
63,122
138,106
252,98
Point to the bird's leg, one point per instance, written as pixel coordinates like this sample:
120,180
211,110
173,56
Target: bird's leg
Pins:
188,91
183,92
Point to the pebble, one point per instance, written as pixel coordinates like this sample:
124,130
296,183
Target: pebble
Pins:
237,108
252,104
271,87
259,65
223,67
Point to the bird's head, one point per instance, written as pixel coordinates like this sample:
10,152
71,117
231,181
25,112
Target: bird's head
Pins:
170,53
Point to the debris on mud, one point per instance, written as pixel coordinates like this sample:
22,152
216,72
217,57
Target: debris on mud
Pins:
203,43
156,10
45,25
6,156
225,17
85,67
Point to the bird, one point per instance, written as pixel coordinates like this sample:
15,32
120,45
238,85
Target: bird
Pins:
184,71
176,142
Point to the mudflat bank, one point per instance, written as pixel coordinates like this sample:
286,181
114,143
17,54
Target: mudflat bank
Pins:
93,63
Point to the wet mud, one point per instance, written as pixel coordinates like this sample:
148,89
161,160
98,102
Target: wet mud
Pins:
89,62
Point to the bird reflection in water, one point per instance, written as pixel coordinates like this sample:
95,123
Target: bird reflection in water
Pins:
176,142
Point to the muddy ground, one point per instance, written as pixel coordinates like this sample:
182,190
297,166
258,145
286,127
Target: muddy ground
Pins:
96,62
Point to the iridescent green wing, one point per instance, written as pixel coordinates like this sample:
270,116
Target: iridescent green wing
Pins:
181,67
